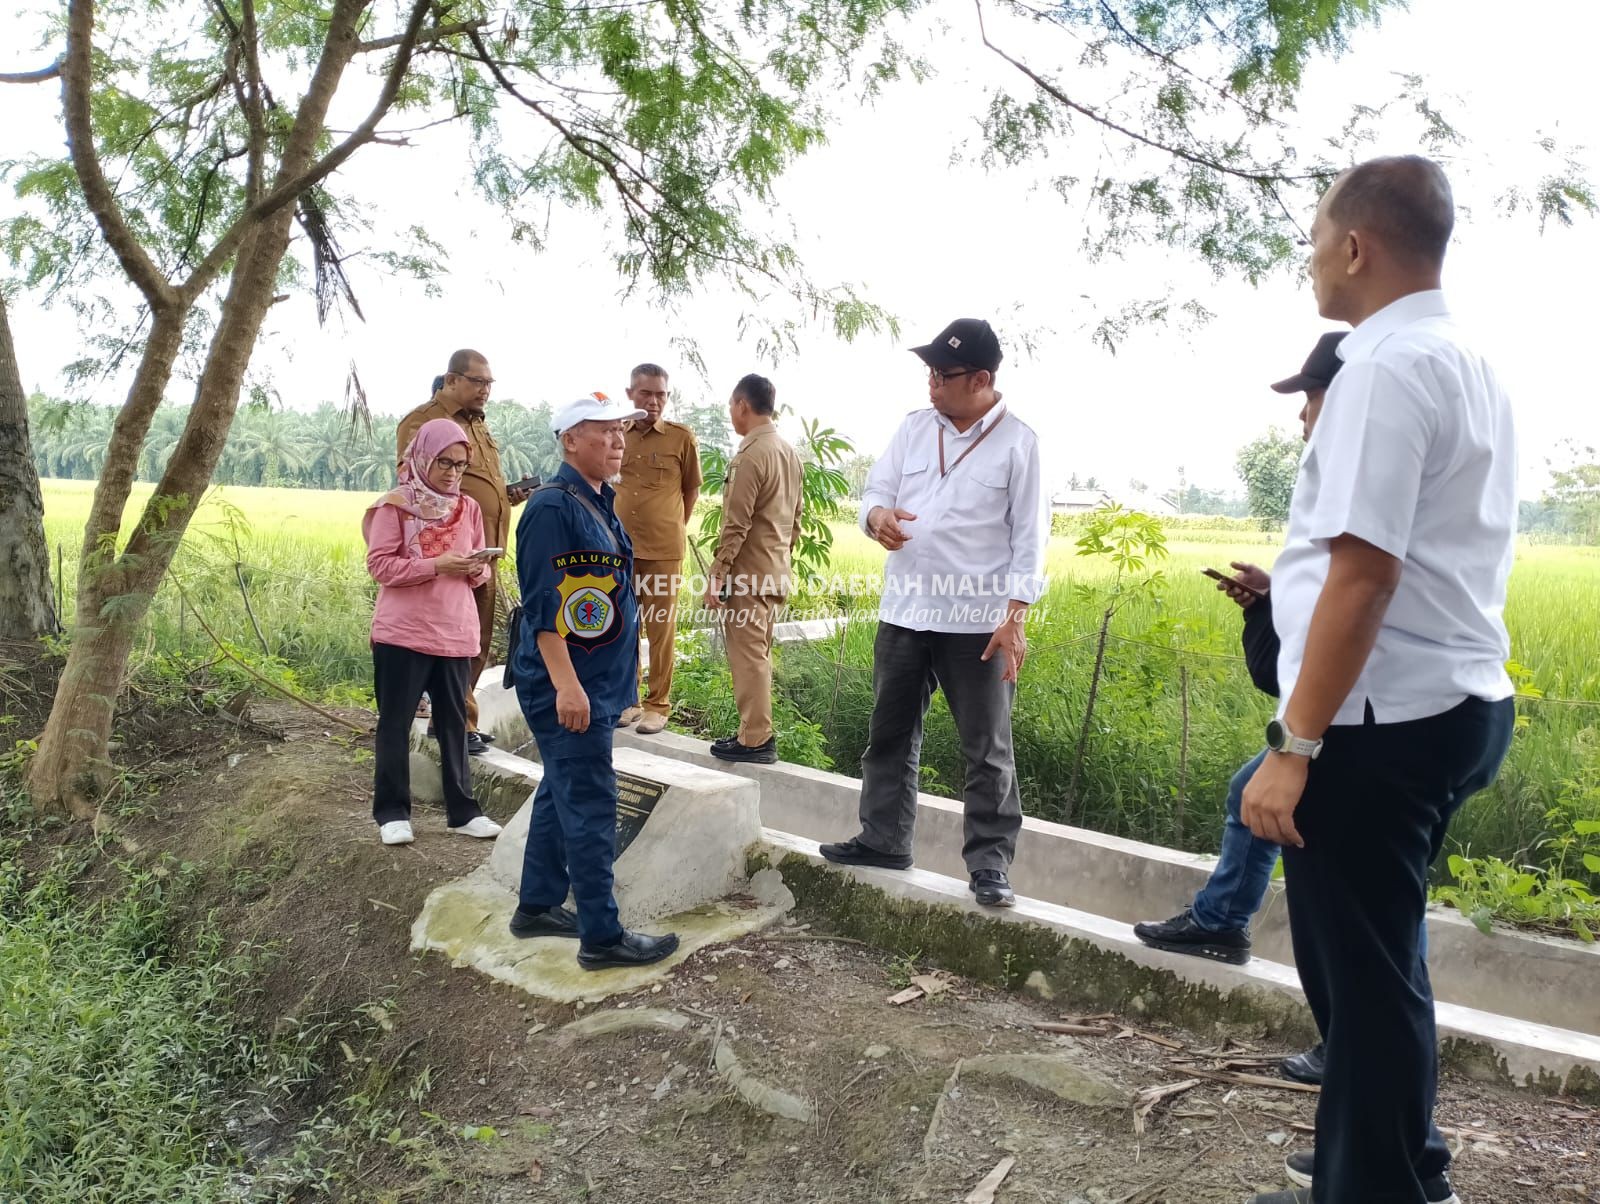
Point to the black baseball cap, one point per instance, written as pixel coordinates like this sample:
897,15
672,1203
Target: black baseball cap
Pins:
965,343
1321,366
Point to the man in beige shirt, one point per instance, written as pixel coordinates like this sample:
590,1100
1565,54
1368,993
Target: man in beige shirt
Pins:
750,579
460,395
655,497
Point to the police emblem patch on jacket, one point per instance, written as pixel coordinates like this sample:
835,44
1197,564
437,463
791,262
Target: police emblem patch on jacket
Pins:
588,614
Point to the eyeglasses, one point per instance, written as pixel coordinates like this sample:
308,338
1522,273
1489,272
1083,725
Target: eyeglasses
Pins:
483,382
937,377
444,465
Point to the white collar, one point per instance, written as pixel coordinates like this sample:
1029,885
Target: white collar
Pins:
994,414
1413,307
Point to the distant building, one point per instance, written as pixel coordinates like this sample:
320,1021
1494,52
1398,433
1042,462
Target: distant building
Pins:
1078,501
1081,501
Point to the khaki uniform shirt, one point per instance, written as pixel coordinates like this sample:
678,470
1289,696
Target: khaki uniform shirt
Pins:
660,476
761,503
483,481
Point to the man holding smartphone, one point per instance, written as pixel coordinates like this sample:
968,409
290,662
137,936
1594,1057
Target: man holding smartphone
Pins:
1216,924
1396,705
461,395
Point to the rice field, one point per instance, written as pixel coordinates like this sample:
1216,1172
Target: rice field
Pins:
1176,712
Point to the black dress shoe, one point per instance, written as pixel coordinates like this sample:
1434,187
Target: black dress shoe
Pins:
634,949
547,921
992,889
1183,934
477,745
853,852
1300,1165
760,754
1306,1067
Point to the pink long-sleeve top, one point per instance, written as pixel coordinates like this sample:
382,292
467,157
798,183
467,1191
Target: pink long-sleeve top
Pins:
417,607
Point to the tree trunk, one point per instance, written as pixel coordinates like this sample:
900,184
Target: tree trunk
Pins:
71,769
27,603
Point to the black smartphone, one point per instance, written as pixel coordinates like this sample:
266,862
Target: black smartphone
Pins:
1233,582
528,483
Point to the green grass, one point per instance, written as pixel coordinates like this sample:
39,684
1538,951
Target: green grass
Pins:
306,578
115,1060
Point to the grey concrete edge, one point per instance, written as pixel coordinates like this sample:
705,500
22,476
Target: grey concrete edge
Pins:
1525,1053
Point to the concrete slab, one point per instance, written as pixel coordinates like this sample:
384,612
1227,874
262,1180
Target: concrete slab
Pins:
467,920
1496,1046
692,848
1540,979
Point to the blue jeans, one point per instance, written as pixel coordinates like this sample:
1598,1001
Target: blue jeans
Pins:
1236,887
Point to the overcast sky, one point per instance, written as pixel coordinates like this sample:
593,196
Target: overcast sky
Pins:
883,206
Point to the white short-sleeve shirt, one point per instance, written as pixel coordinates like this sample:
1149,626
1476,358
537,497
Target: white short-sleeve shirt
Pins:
1415,453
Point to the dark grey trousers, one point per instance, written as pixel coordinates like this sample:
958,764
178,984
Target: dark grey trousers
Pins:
906,666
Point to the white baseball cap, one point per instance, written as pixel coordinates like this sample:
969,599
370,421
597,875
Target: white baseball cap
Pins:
596,407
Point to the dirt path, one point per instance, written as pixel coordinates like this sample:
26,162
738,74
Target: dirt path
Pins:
495,1102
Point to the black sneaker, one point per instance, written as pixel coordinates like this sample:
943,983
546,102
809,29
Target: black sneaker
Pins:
1306,1067
760,754
547,921
633,949
477,745
1183,934
1298,1167
725,742
853,852
992,889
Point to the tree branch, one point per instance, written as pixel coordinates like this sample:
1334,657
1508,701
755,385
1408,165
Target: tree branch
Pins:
324,82
32,77
1254,175
437,33
77,82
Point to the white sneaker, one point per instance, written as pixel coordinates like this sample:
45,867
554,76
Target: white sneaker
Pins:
481,828
396,831
652,723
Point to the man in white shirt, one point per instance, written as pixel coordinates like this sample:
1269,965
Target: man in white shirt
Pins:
1388,602
959,502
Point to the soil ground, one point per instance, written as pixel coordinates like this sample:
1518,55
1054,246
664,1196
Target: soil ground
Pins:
494,1104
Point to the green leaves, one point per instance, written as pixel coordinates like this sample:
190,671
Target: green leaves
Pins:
1268,466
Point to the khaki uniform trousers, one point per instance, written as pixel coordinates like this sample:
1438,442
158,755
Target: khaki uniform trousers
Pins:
656,583
747,624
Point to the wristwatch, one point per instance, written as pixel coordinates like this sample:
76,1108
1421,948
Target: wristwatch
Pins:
1280,739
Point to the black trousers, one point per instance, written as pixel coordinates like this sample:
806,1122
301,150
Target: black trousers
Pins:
399,676
906,666
1373,817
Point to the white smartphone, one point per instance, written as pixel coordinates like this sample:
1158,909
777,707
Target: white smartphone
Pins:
488,553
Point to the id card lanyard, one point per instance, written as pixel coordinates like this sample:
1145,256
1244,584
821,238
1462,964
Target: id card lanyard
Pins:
971,447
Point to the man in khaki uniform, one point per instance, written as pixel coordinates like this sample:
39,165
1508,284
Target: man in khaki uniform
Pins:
761,503
660,482
461,398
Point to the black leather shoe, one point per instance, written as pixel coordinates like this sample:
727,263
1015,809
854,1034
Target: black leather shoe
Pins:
1183,934
547,921
477,744
760,754
992,889
853,852
1305,1067
634,949
1299,1166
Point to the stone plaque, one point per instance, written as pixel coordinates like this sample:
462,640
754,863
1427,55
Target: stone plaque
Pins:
636,799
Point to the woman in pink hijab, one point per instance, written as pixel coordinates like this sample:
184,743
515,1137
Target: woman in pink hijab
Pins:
425,550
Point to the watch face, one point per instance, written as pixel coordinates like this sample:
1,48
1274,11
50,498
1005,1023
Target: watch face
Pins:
1276,735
